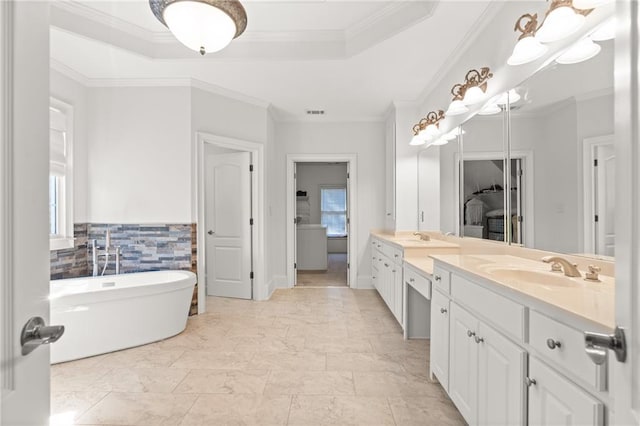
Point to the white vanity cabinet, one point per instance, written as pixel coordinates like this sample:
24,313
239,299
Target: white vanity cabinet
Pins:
486,372
387,275
439,345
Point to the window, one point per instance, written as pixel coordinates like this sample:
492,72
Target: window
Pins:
60,175
333,210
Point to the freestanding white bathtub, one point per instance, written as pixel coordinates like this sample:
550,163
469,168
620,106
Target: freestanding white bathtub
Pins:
109,313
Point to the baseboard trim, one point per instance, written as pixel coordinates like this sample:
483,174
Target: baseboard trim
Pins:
364,283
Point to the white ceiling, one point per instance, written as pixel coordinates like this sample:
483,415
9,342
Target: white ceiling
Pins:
350,58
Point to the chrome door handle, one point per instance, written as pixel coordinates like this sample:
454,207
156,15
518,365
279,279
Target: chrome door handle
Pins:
596,345
210,232
35,333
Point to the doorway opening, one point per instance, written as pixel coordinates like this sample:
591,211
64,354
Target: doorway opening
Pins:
321,224
321,237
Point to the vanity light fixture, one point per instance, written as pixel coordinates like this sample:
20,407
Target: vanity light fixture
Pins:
427,128
490,109
439,142
513,97
581,51
528,48
202,25
470,92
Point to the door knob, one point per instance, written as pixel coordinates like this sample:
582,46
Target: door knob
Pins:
210,232
36,333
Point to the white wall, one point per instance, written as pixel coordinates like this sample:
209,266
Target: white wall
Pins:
364,139
310,176
139,155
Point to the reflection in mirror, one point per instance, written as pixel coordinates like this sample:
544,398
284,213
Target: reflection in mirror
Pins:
447,157
564,125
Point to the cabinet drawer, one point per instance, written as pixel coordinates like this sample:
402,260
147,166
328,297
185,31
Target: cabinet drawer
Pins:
500,311
392,252
442,279
419,282
564,346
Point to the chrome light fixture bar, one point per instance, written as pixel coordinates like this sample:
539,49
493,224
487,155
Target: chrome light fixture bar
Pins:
202,25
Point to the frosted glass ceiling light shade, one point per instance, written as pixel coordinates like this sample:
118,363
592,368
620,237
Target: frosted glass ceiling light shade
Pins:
439,142
490,109
428,128
606,31
561,22
202,25
457,107
581,51
526,50
473,96
590,4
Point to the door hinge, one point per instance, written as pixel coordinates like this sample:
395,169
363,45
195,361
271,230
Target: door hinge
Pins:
295,266
348,265
347,175
520,172
596,218
595,163
251,275
250,167
251,222
520,219
348,221
295,220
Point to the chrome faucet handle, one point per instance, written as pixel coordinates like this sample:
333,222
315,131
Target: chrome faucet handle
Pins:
593,273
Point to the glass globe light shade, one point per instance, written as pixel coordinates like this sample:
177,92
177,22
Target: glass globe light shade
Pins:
430,132
526,50
490,109
606,31
473,96
560,23
457,107
439,142
417,141
200,26
581,51
590,4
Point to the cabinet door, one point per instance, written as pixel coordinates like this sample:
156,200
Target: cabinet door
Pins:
463,377
439,344
554,400
375,276
501,373
397,293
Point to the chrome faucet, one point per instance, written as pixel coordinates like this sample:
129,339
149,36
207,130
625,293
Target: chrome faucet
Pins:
94,256
423,236
558,264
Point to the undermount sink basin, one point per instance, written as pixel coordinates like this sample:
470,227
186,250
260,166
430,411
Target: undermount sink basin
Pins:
550,279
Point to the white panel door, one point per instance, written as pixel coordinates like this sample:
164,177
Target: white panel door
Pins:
501,369
463,373
553,400
228,202
605,199
24,230
439,343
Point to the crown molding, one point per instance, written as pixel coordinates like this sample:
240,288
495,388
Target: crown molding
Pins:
303,119
69,72
231,94
372,20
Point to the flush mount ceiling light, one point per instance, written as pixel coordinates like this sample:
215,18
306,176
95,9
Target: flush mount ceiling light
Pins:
427,128
202,25
528,48
581,51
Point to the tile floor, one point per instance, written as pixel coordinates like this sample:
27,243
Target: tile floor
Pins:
335,275
308,356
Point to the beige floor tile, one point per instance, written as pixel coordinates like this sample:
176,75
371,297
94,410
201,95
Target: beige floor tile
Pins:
289,361
362,362
214,410
214,360
139,409
67,407
67,377
389,383
339,410
142,357
420,411
337,344
268,344
224,382
155,380
310,383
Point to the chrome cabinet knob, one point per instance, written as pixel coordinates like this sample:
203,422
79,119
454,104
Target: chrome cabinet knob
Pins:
437,277
552,344
210,232
411,280
478,339
471,333
530,382
443,311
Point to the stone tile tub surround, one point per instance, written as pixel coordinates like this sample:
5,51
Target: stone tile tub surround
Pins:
144,247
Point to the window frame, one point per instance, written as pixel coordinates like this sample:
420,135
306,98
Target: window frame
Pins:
346,207
65,238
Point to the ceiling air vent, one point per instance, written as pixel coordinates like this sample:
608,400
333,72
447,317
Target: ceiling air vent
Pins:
315,112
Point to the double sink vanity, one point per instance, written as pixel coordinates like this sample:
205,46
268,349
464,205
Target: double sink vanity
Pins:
507,333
